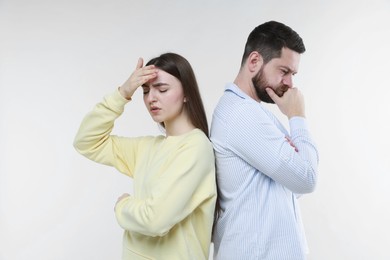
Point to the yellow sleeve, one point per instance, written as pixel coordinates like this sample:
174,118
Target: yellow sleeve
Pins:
93,139
186,183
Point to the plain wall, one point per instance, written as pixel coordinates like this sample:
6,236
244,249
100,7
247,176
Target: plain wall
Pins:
59,58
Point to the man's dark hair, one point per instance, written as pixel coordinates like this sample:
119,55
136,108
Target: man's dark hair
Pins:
269,38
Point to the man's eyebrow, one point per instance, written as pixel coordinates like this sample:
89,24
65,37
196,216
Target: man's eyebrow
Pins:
289,69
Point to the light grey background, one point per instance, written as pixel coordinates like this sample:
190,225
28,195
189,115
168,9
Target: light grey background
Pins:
59,58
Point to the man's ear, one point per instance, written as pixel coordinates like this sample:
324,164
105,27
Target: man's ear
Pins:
254,61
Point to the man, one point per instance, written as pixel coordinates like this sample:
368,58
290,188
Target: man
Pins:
261,167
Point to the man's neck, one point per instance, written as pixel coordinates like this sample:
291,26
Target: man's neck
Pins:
246,85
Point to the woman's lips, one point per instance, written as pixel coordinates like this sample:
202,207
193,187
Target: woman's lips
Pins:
154,109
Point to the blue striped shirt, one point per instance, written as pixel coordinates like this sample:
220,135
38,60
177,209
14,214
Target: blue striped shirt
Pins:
260,176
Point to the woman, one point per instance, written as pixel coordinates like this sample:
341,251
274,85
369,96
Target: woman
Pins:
170,214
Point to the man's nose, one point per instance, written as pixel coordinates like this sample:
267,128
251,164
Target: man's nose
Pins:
287,80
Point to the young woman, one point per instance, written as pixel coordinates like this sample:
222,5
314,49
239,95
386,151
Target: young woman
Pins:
170,215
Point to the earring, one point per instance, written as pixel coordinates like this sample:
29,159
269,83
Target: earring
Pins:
185,100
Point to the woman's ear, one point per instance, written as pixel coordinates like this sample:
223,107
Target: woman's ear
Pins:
254,61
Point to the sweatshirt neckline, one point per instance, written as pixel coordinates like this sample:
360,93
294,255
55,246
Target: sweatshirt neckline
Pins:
176,137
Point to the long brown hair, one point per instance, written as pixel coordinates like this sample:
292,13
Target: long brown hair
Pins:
180,68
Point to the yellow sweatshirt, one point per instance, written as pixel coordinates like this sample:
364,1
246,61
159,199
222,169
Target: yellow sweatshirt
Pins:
170,215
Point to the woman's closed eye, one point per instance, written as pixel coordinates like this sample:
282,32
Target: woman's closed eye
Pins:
145,90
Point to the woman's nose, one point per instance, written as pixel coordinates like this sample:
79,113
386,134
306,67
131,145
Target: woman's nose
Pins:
151,96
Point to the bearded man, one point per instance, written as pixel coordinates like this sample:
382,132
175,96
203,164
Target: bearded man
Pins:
262,168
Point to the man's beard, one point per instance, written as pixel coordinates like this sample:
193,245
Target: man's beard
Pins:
260,84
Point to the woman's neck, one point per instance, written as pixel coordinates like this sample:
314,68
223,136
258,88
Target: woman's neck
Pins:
179,126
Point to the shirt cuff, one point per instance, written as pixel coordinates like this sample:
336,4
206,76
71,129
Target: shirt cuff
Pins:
119,98
297,123
115,101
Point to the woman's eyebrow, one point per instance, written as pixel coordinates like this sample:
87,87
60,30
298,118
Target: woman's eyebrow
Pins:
159,84
155,85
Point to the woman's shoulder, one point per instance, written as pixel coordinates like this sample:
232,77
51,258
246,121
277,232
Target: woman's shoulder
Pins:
198,140
196,136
